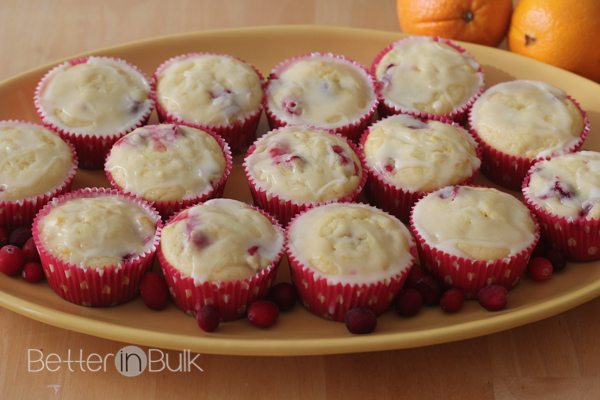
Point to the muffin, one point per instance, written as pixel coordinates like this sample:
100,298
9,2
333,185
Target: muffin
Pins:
348,255
170,166
470,237
212,91
35,166
323,90
96,244
92,102
223,253
407,157
564,194
518,122
427,77
294,167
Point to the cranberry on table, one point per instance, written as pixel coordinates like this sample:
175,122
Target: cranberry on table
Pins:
11,260
557,258
414,275
30,252
263,313
430,289
33,272
208,318
408,302
283,294
452,300
20,236
361,321
154,291
4,235
493,297
539,269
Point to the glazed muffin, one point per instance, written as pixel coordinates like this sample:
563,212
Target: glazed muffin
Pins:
170,166
470,237
214,91
427,77
96,244
407,157
520,121
35,166
348,255
92,102
223,253
294,167
323,90
564,194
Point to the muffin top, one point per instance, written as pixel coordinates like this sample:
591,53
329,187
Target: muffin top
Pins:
304,164
33,160
527,119
420,156
166,162
100,97
208,89
474,223
97,231
567,186
423,75
320,90
351,243
221,240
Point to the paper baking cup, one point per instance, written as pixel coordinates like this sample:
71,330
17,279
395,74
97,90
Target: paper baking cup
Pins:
394,199
284,210
14,214
231,298
239,135
91,149
458,114
95,286
352,130
510,171
168,208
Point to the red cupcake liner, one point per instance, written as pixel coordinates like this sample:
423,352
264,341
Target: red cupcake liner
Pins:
473,275
231,298
394,199
91,149
353,130
386,108
238,135
95,286
284,210
14,214
510,171
168,208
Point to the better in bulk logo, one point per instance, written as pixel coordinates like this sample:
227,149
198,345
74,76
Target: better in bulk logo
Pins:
129,361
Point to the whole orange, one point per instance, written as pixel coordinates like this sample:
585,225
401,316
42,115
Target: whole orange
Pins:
476,21
564,33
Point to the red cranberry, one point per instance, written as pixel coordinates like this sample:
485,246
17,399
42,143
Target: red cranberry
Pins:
154,291
263,313
284,295
430,289
4,235
557,258
208,318
539,269
493,297
30,252
452,300
360,320
408,302
11,260
33,272
20,236
414,275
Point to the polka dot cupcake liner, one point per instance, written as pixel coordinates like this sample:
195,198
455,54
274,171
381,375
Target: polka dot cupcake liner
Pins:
284,210
96,286
168,208
231,298
239,135
91,149
14,214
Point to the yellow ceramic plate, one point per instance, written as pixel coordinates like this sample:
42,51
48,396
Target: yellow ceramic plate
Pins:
299,332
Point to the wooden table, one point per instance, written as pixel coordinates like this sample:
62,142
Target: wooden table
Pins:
556,358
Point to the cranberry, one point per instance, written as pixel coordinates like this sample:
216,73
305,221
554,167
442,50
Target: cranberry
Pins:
561,191
430,289
452,300
493,297
154,292
263,313
20,236
414,275
208,318
11,260
30,252
4,235
539,269
284,295
557,258
408,302
360,320
585,209
33,272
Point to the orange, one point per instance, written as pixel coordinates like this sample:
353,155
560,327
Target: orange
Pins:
476,21
565,33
